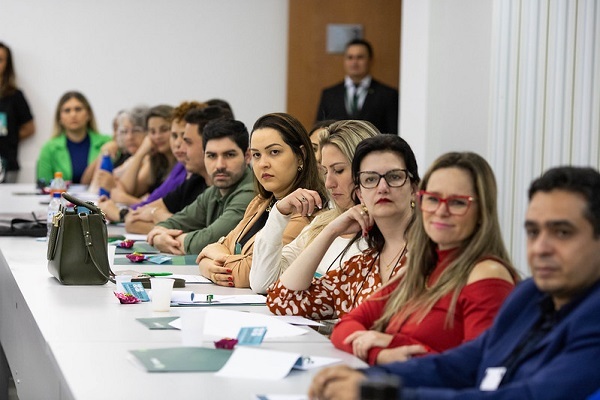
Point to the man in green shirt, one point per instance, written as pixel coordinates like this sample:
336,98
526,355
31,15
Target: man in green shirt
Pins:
219,208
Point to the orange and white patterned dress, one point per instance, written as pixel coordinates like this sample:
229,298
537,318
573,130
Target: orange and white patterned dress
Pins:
334,294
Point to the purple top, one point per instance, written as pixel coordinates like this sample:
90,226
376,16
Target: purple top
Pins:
175,178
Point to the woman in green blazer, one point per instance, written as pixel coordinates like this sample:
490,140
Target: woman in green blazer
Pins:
75,142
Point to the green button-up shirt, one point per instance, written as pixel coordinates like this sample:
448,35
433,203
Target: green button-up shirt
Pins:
211,215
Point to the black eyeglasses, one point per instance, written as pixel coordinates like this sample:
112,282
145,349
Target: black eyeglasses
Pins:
393,178
456,205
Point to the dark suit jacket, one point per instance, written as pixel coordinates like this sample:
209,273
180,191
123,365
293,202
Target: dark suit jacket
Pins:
380,106
563,365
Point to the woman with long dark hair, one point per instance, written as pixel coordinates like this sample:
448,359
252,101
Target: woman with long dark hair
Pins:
337,143
283,160
16,121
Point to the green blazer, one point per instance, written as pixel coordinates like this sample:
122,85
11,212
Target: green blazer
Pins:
55,156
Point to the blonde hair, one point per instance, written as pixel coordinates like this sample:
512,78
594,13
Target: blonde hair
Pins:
411,296
345,135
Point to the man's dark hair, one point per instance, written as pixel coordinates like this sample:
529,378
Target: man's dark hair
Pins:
226,128
361,42
201,116
220,103
582,180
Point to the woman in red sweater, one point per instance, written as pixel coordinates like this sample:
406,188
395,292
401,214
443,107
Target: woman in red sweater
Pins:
458,271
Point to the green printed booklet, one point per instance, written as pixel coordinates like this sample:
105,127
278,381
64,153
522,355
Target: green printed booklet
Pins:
158,323
189,259
182,359
138,247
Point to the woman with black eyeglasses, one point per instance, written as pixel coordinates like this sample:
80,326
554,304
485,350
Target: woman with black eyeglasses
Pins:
457,276
386,178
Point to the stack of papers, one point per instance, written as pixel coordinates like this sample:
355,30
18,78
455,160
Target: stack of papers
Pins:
200,299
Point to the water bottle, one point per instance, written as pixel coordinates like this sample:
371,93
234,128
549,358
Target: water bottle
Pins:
53,208
106,165
58,184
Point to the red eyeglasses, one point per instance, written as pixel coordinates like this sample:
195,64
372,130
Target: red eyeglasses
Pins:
456,205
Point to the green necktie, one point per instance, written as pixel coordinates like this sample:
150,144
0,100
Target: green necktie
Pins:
355,100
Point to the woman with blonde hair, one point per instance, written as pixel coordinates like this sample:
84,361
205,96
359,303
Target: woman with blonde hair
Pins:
337,143
75,142
458,272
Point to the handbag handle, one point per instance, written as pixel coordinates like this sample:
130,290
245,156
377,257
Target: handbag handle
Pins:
87,237
87,204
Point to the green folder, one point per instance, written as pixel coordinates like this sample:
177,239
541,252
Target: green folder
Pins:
190,259
182,359
160,323
140,247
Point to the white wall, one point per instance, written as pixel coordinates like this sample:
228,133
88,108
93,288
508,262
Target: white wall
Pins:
124,53
445,76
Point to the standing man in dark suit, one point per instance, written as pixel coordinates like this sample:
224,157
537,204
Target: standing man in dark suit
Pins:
360,96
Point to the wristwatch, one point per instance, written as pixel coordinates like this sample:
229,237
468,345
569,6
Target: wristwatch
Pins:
122,213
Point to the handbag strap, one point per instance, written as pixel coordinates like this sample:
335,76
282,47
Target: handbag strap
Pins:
87,237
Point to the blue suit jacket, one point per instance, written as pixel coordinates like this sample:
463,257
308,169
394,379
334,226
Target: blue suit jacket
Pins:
564,365
380,107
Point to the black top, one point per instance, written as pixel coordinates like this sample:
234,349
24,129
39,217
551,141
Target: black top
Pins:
14,112
184,194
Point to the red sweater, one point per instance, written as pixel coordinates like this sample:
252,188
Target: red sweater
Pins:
475,310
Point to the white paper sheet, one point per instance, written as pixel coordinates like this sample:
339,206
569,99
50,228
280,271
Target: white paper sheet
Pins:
232,299
227,323
257,363
252,363
135,236
177,295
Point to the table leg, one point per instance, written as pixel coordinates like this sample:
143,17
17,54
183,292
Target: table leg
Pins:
4,375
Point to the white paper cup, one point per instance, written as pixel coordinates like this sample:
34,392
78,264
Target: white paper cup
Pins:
161,293
119,280
192,326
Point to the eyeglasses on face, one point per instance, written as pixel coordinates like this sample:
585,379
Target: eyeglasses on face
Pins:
456,205
393,178
135,131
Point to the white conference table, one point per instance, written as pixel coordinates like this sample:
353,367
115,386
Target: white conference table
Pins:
73,342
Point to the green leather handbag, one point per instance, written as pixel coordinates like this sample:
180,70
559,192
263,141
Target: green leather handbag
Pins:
78,245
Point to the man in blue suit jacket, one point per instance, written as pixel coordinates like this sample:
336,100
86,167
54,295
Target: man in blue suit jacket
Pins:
545,341
360,96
